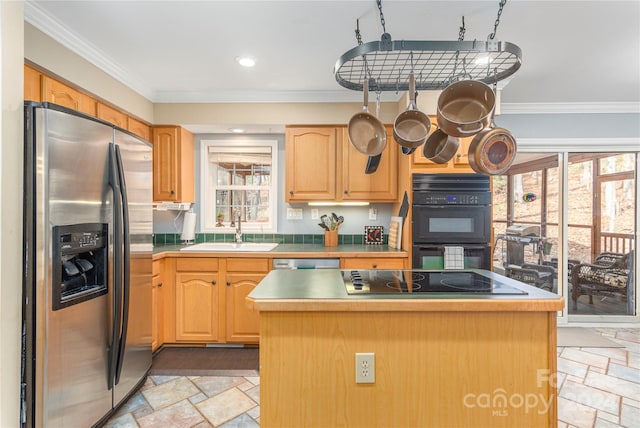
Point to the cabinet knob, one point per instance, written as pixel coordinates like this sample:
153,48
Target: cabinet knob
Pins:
375,266
291,192
228,284
213,282
159,284
173,192
346,191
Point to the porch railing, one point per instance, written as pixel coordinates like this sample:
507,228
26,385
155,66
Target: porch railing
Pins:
616,242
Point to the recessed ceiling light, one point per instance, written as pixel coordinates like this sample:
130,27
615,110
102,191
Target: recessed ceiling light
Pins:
236,130
246,61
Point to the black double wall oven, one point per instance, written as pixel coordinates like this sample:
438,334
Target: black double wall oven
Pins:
451,221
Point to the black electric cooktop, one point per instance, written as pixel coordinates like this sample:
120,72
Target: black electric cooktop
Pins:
422,281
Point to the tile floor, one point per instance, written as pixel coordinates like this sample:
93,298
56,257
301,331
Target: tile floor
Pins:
598,387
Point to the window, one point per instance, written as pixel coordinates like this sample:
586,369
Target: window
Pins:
239,179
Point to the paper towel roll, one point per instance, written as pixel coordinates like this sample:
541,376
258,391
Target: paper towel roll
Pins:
189,227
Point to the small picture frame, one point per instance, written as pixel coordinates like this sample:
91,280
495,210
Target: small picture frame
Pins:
374,235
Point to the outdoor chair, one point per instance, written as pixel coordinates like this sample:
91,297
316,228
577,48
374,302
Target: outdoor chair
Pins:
540,276
610,276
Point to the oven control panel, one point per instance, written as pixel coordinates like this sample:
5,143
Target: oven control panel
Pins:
445,198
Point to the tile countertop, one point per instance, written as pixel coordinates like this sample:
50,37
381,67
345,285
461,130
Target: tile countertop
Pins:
324,290
289,251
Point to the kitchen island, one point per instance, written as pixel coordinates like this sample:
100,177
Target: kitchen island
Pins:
440,360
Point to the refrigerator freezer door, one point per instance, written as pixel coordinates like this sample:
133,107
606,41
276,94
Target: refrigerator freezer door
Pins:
71,355
136,157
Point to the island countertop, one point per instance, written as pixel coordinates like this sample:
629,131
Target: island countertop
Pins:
324,290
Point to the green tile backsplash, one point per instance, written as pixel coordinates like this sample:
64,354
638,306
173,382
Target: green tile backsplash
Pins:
345,239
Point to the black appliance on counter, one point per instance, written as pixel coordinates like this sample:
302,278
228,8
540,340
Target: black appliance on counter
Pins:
423,282
451,221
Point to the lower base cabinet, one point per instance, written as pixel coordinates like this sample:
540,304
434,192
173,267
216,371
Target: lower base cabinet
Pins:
208,303
243,322
373,263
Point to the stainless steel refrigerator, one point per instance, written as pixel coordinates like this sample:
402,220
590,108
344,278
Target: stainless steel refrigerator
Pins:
87,267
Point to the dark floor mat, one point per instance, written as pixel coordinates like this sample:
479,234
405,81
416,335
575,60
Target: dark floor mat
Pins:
206,362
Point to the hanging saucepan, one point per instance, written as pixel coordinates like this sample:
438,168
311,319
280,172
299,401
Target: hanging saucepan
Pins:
440,147
492,151
366,132
464,108
411,127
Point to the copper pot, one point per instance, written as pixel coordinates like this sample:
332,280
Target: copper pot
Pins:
440,147
366,132
492,151
411,127
465,107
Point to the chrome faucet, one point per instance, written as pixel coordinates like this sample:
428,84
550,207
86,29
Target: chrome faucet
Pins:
239,230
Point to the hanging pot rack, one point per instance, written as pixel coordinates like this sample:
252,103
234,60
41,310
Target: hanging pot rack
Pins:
387,64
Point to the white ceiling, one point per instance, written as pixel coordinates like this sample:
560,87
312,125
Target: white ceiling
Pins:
581,56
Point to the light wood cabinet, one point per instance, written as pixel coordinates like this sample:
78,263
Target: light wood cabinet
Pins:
242,321
196,300
459,162
380,186
57,92
140,129
373,263
32,84
157,314
310,171
111,115
322,165
173,159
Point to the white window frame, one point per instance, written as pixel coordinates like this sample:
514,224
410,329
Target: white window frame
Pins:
208,188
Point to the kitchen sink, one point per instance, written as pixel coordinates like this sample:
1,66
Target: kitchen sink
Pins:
231,246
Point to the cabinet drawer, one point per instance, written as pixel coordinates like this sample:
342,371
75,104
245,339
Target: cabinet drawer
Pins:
248,265
204,264
373,263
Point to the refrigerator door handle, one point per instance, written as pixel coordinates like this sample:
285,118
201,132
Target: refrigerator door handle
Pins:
125,263
114,183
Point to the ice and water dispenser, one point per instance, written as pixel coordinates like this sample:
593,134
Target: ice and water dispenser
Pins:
79,263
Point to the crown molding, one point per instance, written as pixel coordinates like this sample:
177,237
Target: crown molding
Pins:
578,145
37,17
231,97
567,108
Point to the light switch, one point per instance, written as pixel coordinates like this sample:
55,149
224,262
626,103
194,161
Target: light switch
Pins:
294,213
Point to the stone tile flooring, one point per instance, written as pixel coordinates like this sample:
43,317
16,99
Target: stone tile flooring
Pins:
598,387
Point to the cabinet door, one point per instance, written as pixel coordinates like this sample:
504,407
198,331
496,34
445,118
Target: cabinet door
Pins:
173,173
243,322
165,164
111,115
32,85
310,164
373,263
196,306
140,129
382,185
61,94
156,284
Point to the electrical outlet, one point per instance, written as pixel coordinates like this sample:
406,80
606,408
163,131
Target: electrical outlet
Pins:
373,213
314,214
365,367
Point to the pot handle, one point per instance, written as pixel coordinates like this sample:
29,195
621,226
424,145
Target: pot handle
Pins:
471,131
412,92
365,89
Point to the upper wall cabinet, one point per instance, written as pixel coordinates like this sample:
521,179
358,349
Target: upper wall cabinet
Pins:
310,170
322,165
32,84
173,173
57,92
140,129
111,115
379,186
